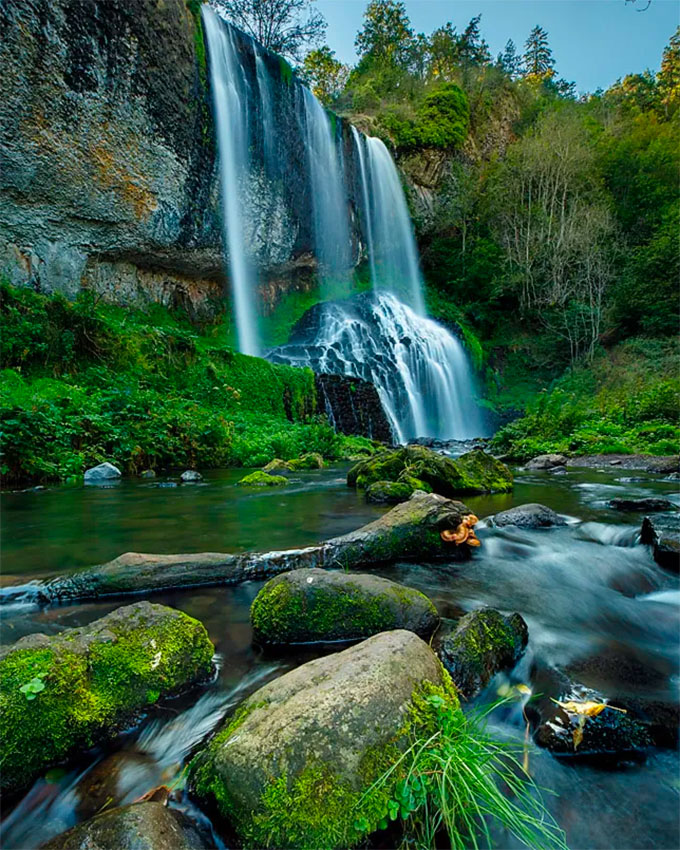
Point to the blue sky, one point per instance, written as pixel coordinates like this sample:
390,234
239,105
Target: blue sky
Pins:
594,41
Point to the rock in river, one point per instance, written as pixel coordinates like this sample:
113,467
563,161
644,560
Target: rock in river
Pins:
484,642
296,765
546,461
650,504
474,472
140,826
388,492
260,478
314,605
104,472
527,516
64,693
663,533
190,475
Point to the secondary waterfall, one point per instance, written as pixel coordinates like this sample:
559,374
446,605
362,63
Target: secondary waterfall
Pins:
230,97
329,195
390,239
420,370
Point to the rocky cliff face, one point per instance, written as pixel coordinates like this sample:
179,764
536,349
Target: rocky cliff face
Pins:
108,176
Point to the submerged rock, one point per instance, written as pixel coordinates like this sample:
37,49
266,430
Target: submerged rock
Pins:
140,826
527,516
483,642
608,735
662,532
66,692
388,492
296,765
474,472
104,472
147,473
313,605
546,461
191,475
650,504
260,478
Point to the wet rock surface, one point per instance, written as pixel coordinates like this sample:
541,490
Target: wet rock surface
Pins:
662,533
318,734
482,643
141,826
66,692
644,462
313,605
649,504
353,407
527,516
104,472
548,461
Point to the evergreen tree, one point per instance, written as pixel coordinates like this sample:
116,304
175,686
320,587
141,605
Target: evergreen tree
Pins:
509,60
387,33
668,78
538,60
472,49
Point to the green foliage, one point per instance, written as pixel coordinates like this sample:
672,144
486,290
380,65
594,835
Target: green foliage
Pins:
86,382
629,402
441,121
34,687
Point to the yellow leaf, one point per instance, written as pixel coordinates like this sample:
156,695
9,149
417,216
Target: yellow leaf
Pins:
588,708
523,689
578,731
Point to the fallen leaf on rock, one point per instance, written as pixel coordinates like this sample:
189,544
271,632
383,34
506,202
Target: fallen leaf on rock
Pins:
587,708
156,795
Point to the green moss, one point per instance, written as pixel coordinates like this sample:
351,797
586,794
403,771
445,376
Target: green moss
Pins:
389,492
317,808
89,693
259,478
286,71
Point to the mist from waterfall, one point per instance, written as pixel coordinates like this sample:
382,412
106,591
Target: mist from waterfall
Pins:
229,91
329,195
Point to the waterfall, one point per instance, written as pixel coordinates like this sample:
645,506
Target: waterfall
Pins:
420,370
365,199
230,96
328,194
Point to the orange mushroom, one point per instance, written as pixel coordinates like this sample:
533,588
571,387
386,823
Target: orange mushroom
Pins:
463,534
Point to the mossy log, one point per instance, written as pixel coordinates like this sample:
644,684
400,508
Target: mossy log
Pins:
67,692
410,531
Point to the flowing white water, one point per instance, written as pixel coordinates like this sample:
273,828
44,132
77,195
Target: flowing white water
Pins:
328,193
420,370
366,200
394,266
229,88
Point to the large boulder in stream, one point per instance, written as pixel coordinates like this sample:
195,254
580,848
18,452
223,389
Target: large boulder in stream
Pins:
549,461
65,693
474,472
297,764
662,532
527,516
483,642
648,504
140,826
307,606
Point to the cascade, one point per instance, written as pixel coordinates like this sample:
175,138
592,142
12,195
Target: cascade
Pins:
329,195
229,89
420,370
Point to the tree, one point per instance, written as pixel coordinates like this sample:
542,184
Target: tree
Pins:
472,49
668,77
443,52
509,60
387,34
287,27
538,60
324,74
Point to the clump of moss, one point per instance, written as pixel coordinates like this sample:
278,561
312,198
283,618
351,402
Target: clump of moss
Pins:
389,492
259,478
94,679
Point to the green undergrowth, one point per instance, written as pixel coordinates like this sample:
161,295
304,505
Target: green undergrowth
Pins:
85,382
627,401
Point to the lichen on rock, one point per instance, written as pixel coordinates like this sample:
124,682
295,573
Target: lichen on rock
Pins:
297,764
64,693
312,605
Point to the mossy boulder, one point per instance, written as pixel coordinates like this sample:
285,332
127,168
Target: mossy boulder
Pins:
296,765
259,478
474,472
311,605
64,693
310,460
140,826
277,465
483,642
388,492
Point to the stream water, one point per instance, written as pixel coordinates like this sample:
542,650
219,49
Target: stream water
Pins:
586,590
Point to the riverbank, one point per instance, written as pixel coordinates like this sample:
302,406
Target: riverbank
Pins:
85,382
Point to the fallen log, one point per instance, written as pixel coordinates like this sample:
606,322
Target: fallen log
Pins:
410,531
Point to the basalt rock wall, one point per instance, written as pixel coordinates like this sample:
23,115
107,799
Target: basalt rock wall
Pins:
108,171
